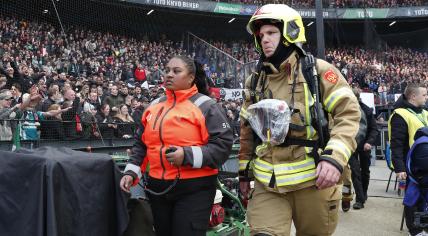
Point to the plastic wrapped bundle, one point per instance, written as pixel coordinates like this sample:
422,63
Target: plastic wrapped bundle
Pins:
270,119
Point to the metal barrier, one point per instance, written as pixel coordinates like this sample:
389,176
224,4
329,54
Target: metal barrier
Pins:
84,136
382,140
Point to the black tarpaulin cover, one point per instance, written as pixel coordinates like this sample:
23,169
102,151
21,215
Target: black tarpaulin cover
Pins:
57,191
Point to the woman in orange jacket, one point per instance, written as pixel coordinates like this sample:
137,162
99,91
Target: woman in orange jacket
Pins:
185,137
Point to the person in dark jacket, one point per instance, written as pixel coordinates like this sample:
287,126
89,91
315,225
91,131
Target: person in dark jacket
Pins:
136,109
52,127
14,76
53,97
407,118
185,139
114,100
70,117
360,160
106,122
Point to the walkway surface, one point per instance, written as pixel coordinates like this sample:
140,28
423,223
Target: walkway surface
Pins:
382,213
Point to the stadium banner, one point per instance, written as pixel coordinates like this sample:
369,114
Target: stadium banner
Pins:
227,8
384,13
230,94
193,5
409,12
362,13
328,13
373,13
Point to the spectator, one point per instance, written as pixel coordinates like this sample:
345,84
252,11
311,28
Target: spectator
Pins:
114,100
16,93
140,73
138,92
92,104
125,123
101,95
105,122
54,97
124,91
7,113
52,127
3,82
382,90
156,75
74,68
42,89
84,93
72,125
30,119
91,107
136,109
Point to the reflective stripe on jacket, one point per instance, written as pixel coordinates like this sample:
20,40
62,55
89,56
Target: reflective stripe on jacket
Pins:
188,119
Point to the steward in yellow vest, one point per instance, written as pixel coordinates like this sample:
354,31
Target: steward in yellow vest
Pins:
409,115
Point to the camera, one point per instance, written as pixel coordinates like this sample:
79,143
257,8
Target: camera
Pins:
421,219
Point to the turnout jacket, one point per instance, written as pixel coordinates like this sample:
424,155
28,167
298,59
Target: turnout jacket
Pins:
291,167
183,118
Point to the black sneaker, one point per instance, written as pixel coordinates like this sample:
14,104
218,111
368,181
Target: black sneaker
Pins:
358,205
346,205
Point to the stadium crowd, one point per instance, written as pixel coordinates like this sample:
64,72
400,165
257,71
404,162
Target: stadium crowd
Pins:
384,73
96,85
338,3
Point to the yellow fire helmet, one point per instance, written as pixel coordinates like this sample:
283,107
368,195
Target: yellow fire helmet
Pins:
293,28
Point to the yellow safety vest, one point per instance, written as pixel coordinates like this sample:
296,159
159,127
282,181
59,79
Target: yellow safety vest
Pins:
413,120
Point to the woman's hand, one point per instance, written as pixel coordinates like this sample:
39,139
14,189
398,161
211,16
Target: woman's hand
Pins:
112,126
126,182
175,158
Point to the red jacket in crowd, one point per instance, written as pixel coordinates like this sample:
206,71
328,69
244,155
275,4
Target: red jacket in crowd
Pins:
140,74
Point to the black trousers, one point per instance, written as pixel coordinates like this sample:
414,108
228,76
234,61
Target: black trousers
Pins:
186,209
360,168
409,215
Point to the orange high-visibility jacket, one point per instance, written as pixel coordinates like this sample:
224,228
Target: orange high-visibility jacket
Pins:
183,118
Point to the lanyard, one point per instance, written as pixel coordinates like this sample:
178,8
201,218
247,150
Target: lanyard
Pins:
420,117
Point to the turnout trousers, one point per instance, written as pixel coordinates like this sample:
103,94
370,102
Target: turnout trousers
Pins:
313,211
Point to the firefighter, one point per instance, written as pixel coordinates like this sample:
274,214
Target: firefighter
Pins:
298,179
